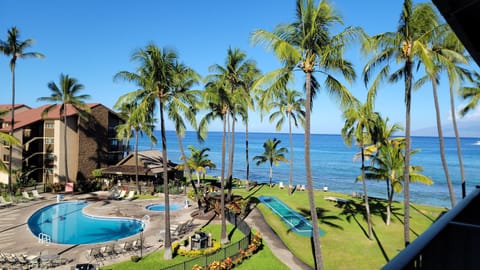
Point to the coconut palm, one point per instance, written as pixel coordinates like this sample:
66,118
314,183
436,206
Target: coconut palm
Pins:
199,161
155,75
271,155
360,124
67,96
238,74
16,49
217,103
138,119
308,44
184,106
407,47
289,107
472,94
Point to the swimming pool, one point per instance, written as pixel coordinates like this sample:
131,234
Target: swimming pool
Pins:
161,207
66,223
298,223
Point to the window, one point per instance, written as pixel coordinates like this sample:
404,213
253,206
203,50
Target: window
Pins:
48,125
6,158
49,140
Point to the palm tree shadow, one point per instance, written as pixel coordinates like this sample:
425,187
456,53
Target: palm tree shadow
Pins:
323,217
350,211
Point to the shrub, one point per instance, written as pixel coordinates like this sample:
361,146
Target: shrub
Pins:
135,258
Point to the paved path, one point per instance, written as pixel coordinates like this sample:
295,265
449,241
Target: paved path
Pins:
255,220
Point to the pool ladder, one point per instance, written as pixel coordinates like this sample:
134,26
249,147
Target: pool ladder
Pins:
44,238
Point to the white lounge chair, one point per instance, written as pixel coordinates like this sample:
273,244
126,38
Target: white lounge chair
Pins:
280,185
37,195
131,195
302,187
26,196
3,202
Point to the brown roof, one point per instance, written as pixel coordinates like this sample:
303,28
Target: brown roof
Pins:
149,163
26,118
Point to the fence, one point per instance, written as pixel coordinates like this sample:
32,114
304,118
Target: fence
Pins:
228,251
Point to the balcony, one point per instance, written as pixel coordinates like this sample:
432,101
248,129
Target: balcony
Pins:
452,242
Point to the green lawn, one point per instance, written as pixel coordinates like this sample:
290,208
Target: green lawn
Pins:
345,244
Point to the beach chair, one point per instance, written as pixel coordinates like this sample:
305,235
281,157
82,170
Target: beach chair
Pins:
122,194
280,185
36,195
302,187
3,202
108,250
26,196
95,254
131,195
126,246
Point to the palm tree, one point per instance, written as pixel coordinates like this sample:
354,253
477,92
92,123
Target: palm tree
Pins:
15,48
217,103
199,161
308,44
238,74
66,95
272,155
155,75
184,104
472,94
139,119
360,124
407,47
289,107
8,140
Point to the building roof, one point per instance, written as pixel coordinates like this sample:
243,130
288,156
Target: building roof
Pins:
31,116
7,107
149,163
463,17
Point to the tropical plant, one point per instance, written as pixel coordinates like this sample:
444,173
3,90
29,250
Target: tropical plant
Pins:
289,107
308,44
271,155
66,96
387,163
216,102
138,119
155,76
198,161
407,47
360,125
184,106
15,48
471,94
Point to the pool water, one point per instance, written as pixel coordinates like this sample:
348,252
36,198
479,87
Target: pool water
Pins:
161,207
298,223
66,223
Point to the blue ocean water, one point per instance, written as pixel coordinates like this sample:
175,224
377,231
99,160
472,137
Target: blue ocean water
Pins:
333,165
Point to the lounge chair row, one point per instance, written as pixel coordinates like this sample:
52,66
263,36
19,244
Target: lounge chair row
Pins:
121,195
31,261
178,231
35,195
4,203
102,253
297,187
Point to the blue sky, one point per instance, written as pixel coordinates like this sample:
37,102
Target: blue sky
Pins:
92,40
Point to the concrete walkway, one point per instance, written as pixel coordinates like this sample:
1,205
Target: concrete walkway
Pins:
255,220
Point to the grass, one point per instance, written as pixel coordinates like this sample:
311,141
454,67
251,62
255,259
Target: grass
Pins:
345,243
155,260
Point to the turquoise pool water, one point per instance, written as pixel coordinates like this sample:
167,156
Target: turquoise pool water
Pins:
65,223
161,207
298,223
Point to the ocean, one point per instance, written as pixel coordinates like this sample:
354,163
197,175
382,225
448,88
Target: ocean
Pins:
333,165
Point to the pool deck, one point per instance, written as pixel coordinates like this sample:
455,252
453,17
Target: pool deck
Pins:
16,237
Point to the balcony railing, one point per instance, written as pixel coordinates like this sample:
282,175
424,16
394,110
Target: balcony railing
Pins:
452,242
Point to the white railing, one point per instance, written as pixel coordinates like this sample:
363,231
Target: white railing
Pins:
44,238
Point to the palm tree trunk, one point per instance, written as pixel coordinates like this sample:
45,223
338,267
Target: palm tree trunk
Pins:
270,174
311,198
65,142
223,234
230,159
136,162
442,143
167,255
247,161
290,178
457,139
367,205
406,171
12,129
389,203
